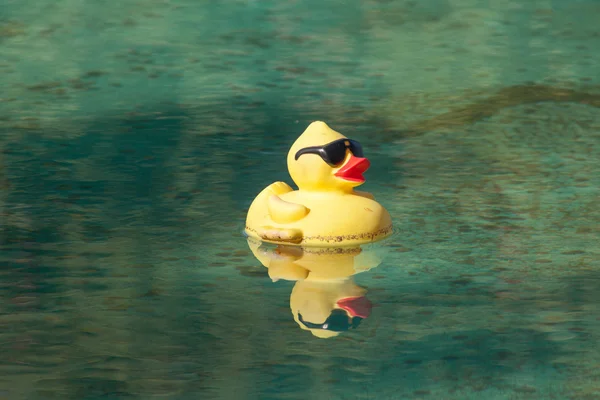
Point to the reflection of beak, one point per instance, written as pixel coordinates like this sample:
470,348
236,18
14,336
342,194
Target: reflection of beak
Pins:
356,306
353,169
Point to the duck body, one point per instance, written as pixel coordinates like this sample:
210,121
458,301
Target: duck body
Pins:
325,210
323,218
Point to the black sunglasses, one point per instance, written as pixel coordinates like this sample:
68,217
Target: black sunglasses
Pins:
333,153
338,321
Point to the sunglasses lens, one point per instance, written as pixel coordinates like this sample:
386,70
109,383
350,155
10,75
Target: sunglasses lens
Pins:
336,152
356,322
338,321
356,148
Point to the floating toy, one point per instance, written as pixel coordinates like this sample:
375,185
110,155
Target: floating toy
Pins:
325,299
325,210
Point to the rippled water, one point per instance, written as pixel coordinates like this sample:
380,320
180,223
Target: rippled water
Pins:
135,134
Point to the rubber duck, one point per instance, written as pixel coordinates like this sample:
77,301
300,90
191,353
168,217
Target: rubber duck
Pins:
325,300
326,209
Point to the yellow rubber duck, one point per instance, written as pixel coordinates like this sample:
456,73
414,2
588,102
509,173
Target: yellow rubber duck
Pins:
325,299
325,210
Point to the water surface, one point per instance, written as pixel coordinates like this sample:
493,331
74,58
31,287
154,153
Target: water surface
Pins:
135,135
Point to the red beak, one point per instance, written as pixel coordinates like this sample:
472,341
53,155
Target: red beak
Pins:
356,306
353,169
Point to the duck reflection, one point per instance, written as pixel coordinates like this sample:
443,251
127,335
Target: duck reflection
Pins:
325,299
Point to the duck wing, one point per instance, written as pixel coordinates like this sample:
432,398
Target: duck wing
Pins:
285,212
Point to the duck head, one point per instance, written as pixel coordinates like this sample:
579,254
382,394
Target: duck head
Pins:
323,159
329,308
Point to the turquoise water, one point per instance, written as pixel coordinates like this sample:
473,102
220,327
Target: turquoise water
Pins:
135,134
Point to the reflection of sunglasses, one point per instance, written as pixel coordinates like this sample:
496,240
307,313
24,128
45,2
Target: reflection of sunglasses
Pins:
333,153
338,321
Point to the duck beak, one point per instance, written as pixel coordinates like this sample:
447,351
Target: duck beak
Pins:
356,306
353,169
